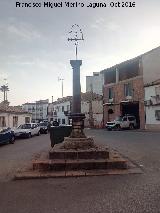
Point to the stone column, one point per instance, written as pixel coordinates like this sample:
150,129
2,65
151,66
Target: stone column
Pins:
77,138
76,115
76,100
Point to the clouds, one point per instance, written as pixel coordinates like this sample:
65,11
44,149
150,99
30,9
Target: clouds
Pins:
23,31
103,24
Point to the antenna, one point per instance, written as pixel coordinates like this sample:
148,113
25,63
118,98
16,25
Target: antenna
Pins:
76,36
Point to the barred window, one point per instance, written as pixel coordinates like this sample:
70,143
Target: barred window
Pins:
128,89
2,121
110,93
157,114
15,121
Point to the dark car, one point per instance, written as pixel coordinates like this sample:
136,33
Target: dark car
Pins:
7,136
43,127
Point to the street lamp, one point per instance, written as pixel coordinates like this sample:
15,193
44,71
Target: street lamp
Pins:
61,79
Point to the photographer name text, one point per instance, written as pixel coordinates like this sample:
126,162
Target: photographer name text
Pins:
67,4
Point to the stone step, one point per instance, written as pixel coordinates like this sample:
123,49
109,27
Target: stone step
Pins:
80,164
85,154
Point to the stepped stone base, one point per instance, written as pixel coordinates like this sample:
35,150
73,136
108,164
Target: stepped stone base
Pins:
78,143
59,152
76,165
97,158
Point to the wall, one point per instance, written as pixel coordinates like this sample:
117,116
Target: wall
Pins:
9,118
151,65
151,122
138,96
60,115
95,83
97,112
38,109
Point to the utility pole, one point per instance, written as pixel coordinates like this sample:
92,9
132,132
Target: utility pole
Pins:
61,79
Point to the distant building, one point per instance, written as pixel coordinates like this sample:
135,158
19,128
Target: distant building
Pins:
39,110
91,106
11,116
58,110
124,86
152,105
95,83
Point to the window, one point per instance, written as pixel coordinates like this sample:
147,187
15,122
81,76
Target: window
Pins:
125,119
2,121
62,108
157,90
68,108
63,121
110,93
15,121
59,120
128,89
157,114
27,120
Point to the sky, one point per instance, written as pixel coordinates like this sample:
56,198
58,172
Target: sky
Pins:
34,51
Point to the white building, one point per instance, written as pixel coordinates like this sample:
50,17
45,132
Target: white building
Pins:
39,110
13,116
152,105
58,110
95,83
91,106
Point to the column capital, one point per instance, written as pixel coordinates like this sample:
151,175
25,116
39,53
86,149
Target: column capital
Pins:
76,63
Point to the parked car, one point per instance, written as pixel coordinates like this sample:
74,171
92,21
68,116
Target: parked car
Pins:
27,130
7,136
43,127
122,122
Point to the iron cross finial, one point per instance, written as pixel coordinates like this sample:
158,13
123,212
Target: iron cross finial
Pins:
76,36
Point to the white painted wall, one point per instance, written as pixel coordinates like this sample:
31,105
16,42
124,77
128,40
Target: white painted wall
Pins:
9,118
95,83
150,110
38,109
151,66
60,114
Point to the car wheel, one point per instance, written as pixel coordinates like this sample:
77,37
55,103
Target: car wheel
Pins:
29,135
131,126
12,139
118,127
38,133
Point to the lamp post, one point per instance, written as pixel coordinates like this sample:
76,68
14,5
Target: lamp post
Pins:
61,79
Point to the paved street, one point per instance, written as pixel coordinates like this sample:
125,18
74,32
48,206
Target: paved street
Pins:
117,194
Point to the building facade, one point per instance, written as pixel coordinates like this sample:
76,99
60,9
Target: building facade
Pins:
91,106
38,109
124,86
58,110
95,83
13,116
152,105
123,91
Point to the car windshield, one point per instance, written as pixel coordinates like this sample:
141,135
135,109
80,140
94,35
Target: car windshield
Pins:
43,124
119,118
25,126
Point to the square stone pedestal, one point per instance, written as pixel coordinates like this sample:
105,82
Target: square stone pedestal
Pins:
80,154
